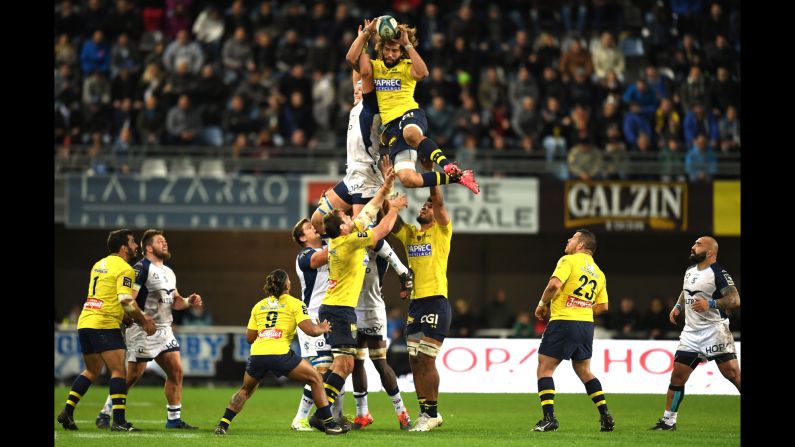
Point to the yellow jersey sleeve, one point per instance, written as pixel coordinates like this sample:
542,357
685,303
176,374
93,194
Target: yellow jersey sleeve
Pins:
252,320
563,269
124,282
299,310
601,298
404,233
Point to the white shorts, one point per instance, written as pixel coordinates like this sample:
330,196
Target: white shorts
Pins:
311,345
142,348
362,181
371,322
709,342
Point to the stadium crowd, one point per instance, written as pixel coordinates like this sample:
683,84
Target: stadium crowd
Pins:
589,82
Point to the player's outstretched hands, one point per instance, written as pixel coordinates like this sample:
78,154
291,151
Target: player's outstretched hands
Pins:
371,25
195,300
672,316
387,171
324,326
400,201
402,35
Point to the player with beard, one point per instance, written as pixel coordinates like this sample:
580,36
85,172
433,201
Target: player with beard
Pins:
155,291
708,292
394,75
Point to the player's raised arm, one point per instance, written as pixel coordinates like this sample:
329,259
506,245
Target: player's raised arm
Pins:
358,44
407,40
370,211
437,200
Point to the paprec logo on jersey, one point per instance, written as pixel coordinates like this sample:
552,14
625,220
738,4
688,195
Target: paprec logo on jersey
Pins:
419,250
387,84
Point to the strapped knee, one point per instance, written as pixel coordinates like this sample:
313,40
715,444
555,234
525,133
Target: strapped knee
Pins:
427,348
378,354
412,346
361,353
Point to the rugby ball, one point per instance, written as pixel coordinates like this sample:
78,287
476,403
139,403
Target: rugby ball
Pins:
387,27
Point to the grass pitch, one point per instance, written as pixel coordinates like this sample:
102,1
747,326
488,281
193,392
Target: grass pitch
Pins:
469,420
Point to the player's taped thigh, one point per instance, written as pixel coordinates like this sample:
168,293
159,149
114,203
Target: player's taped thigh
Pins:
377,353
428,348
321,361
347,350
406,159
412,344
361,353
324,205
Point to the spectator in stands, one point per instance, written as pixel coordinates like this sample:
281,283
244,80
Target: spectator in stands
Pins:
94,17
698,121
566,14
700,162
183,123
180,82
468,121
729,128
68,20
635,124
296,79
625,321
523,328
616,158
553,87
609,87
197,316
546,51
586,162
291,51
97,102
321,57
210,98
235,55
723,92
576,59
691,51
643,143
672,161
646,98
323,99
655,321
606,57
499,313
581,91
124,19
237,119
95,55
440,85
555,127
693,90
663,115
671,131
492,90
524,84
183,49
151,123
441,121
65,52
657,82
464,323
121,150
720,54
178,19
209,31
297,115
527,121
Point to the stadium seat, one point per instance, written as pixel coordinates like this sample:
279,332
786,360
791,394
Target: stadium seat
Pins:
154,167
183,167
212,168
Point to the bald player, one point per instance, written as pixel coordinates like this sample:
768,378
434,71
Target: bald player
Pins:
708,292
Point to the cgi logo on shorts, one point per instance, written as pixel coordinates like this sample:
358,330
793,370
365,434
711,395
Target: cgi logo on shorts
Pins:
432,319
419,250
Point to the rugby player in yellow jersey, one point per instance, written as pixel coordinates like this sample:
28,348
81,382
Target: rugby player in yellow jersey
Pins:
270,331
347,263
428,323
575,293
394,75
108,299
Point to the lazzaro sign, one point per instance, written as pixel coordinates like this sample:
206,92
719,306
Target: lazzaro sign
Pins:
627,205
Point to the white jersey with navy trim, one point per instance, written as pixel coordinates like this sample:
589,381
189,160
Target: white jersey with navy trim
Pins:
155,286
314,282
704,285
361,152
371,297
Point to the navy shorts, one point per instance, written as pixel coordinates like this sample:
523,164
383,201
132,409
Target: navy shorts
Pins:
94,341
280,364
430,316
342,192
343,325
393,134
567,340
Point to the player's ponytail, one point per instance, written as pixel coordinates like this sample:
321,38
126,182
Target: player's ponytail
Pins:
275,283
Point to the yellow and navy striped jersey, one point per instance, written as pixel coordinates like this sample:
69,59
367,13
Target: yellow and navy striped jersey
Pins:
347,263
394,89
275,320
427,252
584,285
110,277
